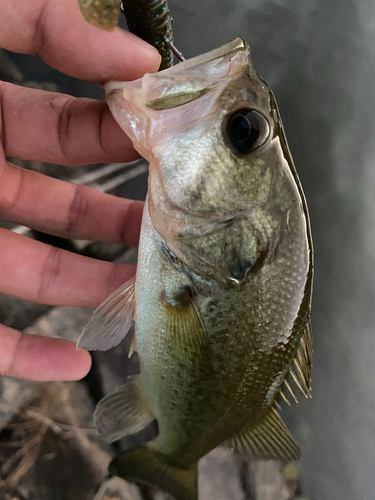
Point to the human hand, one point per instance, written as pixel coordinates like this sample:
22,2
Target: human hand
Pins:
57,128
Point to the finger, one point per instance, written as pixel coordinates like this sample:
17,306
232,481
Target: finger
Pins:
57,31
57,128
66,209
39,358
37,272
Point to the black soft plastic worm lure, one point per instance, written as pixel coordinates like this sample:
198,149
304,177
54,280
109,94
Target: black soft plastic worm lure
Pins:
151,20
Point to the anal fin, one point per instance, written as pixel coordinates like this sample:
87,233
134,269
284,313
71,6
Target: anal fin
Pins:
269,439
147,465
123,412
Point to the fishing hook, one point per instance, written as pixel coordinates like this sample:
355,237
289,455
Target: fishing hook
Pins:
174,49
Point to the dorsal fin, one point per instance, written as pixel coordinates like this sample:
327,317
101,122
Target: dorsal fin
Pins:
300,371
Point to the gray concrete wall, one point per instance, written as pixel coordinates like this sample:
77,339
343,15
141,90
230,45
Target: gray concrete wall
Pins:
319,58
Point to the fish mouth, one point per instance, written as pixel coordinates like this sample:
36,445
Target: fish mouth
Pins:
238,45
140,105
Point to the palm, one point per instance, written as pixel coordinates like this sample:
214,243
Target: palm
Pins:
61,129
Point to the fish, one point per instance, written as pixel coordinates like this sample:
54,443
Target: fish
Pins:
150,20
222,294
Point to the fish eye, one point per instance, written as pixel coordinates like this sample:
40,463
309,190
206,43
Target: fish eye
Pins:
246,130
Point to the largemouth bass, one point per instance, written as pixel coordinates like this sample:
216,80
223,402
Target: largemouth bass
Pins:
221,300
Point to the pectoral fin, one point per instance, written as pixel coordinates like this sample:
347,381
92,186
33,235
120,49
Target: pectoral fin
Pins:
123,412
111,321
269,439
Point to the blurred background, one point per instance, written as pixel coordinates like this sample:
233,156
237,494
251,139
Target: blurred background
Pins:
319,59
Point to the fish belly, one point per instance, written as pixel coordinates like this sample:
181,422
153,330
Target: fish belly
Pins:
204,392
180,386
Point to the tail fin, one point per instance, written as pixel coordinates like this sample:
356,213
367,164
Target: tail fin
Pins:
147,465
